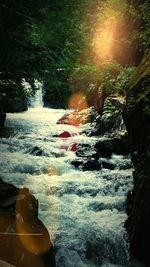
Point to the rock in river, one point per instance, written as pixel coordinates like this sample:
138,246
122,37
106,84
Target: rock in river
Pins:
23,237
87,164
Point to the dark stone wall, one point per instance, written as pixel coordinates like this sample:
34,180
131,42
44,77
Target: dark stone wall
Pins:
12,103
137,120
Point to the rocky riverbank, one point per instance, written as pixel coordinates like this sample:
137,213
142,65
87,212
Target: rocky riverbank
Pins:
23,237
109,125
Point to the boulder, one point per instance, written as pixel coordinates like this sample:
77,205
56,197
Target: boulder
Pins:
37,151
105,147
88,152
87,164
111,120
117,145
91,165
24,239
78,162
120,145
107,165
77,117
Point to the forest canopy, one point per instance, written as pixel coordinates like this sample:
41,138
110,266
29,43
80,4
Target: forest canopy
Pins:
50,40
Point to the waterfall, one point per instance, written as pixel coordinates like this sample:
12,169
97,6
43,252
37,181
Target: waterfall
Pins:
37,100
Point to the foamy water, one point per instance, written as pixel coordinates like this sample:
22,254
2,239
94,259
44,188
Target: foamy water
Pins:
84,212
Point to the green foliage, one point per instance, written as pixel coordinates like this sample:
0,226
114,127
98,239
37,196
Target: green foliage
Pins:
89,78
143,31
57,91
140,102
38,38
52,41
124,78
84,77
110,73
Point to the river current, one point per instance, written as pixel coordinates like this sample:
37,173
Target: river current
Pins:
84,212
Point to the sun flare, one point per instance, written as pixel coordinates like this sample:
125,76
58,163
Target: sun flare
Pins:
103,40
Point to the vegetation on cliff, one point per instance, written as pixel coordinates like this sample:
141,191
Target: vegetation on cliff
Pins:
61,41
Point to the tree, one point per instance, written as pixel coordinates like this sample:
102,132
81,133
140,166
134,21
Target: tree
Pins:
37,39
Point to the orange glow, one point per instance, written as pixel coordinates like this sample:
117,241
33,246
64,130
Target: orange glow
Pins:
73,120
103,40
33,235
78,101
52,171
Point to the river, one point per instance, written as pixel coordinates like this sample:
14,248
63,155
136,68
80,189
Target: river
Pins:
84,212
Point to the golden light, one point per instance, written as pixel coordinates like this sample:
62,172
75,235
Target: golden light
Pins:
78,101
33,235
52,171
103,40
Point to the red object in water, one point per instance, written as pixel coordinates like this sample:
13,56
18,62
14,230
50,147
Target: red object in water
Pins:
65,134
74,147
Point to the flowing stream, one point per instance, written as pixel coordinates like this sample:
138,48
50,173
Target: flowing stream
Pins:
84,212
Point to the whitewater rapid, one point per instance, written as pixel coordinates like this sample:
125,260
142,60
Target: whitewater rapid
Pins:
84,212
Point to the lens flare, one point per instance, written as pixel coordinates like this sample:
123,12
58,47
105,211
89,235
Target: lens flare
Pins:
33,235
78,101
103,40
52,171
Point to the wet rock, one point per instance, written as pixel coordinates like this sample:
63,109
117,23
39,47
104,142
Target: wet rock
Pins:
23,237
91,164
120,145
117,145
107,164
77,162
126,164
79,117
111,120
87,164
8,195
87,152
37,151
105,147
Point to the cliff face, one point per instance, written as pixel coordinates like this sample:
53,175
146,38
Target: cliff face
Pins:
11,101
137,120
